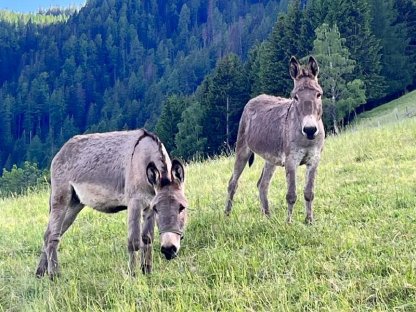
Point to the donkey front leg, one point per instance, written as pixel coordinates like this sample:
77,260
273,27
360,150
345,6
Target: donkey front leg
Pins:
263,186
134,214
291,188
147,239
309,191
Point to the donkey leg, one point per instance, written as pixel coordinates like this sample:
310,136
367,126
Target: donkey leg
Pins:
242,156
43,260
308,192
70,216
147,239
59,204
263,186
291,188
134,214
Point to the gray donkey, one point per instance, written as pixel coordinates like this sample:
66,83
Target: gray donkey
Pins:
111,172
285,132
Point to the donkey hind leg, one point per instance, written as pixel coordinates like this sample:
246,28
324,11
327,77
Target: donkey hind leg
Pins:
263,186
309,192
71,212
147,240
242,156
59,204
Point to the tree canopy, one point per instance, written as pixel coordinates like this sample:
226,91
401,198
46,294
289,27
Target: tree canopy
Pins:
186,68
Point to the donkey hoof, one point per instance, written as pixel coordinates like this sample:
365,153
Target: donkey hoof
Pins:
146,269
266,213
289,220
40,272
308,220
53,276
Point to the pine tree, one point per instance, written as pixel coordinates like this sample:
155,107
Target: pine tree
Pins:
273,61
394,42
167,125
354,22
406,16
189,139
226,92
341,95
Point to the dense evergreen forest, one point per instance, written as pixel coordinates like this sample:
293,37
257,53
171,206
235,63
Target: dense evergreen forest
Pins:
186,68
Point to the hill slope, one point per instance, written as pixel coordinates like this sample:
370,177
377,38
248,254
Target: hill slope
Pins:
359,255
402,108
111,65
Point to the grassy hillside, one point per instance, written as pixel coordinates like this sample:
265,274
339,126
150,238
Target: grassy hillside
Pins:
400,109
359,255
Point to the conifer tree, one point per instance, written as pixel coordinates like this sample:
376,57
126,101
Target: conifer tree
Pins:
341,95
394,42
167,125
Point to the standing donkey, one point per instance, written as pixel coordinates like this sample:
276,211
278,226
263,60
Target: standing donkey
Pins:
111,172
285,132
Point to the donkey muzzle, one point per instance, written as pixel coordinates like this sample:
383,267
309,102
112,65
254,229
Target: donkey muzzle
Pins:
170,252
310,132
170,243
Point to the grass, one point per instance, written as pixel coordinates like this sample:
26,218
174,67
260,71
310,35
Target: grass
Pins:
359,255
400,109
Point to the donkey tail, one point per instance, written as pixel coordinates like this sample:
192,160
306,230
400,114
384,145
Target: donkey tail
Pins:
251,160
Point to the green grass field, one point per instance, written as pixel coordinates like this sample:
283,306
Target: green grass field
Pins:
397,110
359,255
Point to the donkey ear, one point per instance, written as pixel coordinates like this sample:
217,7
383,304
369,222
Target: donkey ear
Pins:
153,174
294,67
178,171
313,66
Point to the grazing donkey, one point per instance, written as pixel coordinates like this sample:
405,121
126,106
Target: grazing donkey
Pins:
111,172
285,132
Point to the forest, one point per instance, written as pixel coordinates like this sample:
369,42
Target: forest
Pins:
185,69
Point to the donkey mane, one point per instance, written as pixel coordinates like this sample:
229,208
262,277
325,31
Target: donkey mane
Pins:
164,174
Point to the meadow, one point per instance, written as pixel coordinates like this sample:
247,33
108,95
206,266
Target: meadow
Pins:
359,255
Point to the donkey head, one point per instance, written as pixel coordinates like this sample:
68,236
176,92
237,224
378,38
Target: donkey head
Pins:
307,95
169,205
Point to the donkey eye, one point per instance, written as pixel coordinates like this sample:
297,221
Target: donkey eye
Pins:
181,208
296,97
154,209
319,95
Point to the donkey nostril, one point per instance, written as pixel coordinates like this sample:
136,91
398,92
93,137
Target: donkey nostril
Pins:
169,251
310,132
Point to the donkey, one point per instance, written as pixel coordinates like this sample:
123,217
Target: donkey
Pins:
285,132
111,172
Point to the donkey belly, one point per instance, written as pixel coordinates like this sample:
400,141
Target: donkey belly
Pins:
277,159
99,197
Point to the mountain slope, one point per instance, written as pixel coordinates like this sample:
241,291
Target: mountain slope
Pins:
358,255
111,65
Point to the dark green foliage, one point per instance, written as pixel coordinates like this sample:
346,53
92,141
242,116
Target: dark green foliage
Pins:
341,95
406,18
353,19
223,96
114,65
394,40
190,142
111,65
167,125
18,180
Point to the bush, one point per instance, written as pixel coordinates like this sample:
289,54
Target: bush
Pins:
19,180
